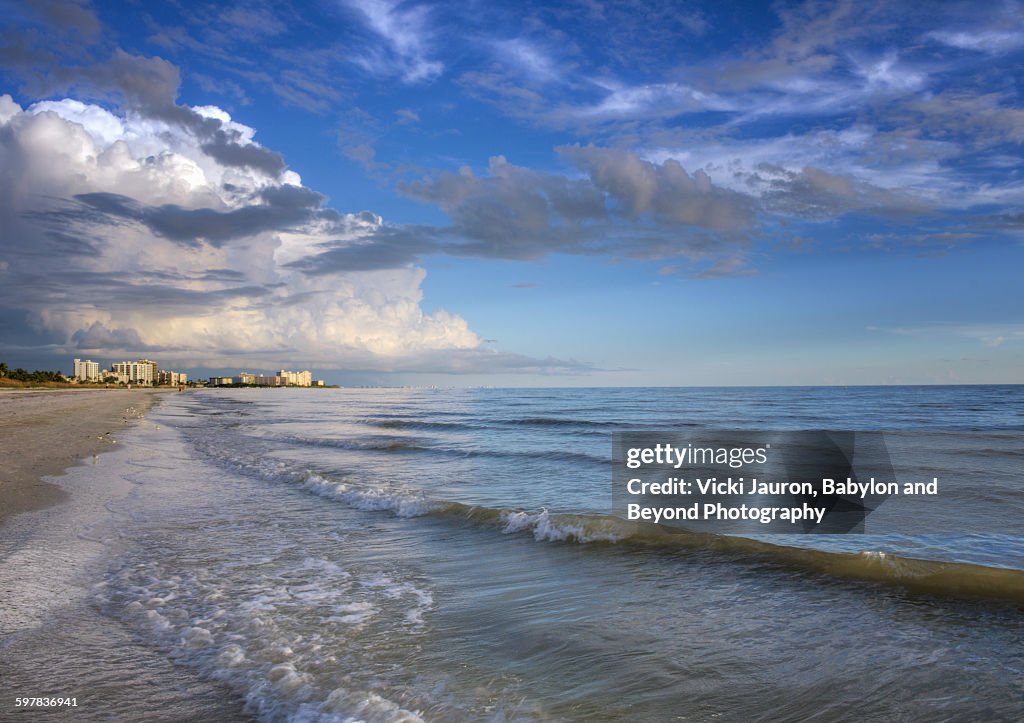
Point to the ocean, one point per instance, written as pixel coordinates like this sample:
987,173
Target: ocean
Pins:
436,554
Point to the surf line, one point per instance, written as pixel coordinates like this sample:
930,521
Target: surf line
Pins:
717,511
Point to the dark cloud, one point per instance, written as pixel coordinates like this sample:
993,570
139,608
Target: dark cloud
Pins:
225,148
979,119
283,207
67,243
513,212
68,14
1010,220
816,194
146,85
624,204
23,49
387,247
156,294
99,337
667,192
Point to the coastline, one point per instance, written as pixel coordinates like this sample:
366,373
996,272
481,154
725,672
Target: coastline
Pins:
57,645
45,432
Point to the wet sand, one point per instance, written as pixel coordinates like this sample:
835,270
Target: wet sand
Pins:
43,432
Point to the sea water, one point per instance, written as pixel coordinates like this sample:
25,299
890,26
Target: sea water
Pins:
404,554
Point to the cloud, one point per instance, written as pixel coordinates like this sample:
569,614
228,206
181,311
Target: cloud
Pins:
122,235
513,212
622,204
986,41
816,194
529,59
259,22
1000,30
99,338
148,86
226,149
734,266
649,100
666,191
872,91
70,14
378,247
279,208
405,32
973,118
991,335
407,115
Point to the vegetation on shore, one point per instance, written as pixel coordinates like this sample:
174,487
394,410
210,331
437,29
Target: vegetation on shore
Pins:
19,378
23,375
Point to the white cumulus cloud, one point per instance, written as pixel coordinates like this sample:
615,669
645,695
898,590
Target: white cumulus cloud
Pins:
126,234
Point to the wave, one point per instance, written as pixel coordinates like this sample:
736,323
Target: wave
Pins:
556,422
956,580
375,444
419,444
419,425
946,579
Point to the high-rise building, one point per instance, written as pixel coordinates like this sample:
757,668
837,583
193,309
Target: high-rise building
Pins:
296,379
166,376
282,379
87,370
142,371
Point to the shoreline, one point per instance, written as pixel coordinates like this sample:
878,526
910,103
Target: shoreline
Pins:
57,644
45,432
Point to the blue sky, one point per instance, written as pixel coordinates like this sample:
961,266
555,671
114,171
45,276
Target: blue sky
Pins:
525,194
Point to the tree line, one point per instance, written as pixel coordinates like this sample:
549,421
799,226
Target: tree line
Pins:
23,375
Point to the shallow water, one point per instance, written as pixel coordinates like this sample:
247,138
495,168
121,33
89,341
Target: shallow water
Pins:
449,555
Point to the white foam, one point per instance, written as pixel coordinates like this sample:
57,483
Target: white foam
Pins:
283,627
196,637
286,678
545,528
404,503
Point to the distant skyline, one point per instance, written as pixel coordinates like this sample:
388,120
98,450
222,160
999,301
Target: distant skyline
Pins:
517,194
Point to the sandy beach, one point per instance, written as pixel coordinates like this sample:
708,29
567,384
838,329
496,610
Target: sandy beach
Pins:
43,432
55,643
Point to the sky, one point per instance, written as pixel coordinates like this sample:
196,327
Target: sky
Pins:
579,193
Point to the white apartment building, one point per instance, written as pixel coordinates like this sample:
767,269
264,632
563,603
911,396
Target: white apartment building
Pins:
283,378
142,371
297,379
175,379
87,370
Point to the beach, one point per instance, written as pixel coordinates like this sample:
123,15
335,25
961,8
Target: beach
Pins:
54,533
43,432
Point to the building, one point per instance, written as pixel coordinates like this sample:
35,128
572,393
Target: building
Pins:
175,379
283,378
142,371
297,379
87,370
